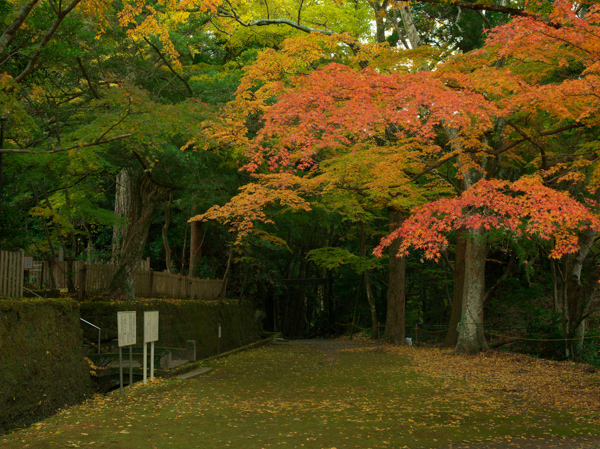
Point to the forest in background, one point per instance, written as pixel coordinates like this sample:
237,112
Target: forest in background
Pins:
301,137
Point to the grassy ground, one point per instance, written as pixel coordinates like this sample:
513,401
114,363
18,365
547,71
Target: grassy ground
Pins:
341,395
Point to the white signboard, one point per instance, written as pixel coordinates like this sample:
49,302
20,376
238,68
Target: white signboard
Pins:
126,328
28,263
150,326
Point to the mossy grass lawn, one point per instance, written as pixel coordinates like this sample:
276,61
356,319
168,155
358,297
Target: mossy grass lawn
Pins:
332,394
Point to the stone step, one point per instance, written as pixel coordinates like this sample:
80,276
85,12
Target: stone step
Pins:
194,373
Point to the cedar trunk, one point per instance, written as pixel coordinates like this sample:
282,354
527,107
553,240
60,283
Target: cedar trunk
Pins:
195,246
123,210
144,195
396,307
471,337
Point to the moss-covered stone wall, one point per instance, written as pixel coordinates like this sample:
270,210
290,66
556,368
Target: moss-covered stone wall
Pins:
179,321
42,367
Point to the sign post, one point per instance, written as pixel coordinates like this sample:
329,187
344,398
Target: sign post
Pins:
127,337
150,336
219,341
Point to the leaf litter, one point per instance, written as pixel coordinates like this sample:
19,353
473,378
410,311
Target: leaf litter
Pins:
324,394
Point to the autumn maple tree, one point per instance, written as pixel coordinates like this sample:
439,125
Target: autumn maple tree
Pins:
473,115
523,209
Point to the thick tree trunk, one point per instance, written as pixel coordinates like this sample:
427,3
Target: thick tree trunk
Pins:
123,209
396,307
379,9
165,237
471,337
144,197
195,247
451,337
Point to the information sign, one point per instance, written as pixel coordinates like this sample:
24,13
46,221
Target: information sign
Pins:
28,263
150,326
126,328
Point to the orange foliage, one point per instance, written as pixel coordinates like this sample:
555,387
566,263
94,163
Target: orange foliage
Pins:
524,208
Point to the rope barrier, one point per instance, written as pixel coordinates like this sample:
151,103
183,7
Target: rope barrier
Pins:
355,325
541,339
494,334
420,329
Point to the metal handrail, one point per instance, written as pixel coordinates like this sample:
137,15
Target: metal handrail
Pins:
31,291
99,331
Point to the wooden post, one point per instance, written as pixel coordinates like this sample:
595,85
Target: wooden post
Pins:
20,272
151,282
81,279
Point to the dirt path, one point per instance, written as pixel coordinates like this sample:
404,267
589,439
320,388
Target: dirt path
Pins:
332,348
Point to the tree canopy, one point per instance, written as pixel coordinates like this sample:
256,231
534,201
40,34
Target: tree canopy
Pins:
300,140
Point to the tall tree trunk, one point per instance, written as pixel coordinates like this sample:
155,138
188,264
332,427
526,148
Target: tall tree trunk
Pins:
379,10
227,270
409,25
395,322
53,257
451,337
183,252
145,195
575,297
195,247
123,209
165,237
471,337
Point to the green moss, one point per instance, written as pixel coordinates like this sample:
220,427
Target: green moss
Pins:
41,364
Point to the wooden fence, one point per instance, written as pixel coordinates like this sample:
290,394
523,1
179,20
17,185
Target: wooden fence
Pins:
12,266
96,278
91,279
40,275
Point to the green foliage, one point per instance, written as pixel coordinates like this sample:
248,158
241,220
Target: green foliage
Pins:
330,258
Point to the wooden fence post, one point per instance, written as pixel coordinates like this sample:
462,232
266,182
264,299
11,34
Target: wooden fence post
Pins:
20,273
81,280
151,288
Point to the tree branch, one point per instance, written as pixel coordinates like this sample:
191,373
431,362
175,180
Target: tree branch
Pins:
265,22
544,165
300,10
515,12
10,30
169,66
59,150
45,40
86,76
505,275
